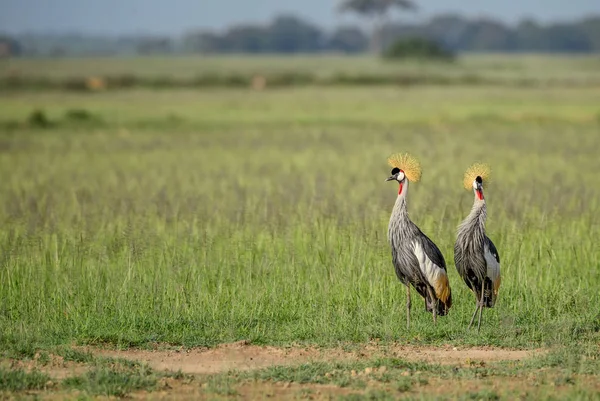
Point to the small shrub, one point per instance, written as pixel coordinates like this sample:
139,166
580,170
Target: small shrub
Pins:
38,118
122,81
162,82
417,48
79,115
290,79
12,82
75,84
216,80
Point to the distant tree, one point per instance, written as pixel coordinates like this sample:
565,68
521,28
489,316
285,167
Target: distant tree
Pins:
285,34
566,38
202,42
376,11
575,37
529,36
58,52
154,45
348,40
488,35
591,27
449,29
290,34
246,39
9,47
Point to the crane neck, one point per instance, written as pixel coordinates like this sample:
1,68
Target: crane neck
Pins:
474,224
400,211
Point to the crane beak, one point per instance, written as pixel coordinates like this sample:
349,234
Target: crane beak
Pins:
391,178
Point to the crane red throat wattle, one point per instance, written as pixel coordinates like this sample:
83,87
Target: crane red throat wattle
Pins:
401,185
479,193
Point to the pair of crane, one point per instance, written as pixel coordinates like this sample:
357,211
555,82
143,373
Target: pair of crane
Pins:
418,261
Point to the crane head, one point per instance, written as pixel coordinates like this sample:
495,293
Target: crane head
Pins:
478,187
397,175
474,178
407,165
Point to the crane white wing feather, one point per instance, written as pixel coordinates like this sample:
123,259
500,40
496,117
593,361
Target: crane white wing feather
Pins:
436,275
492,261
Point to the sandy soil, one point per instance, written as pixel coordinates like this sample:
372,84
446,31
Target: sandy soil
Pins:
56,367
244,356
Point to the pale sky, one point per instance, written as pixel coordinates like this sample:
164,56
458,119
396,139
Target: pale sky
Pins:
176,16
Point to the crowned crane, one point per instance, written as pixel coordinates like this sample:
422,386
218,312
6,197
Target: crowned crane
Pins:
475,255
417,260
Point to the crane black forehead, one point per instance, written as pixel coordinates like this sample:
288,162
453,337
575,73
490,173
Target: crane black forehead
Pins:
395,170
479,180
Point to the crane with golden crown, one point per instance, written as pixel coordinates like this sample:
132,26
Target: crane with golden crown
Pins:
417,260
475,255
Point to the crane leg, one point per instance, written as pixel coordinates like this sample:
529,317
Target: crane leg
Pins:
431,293
481,306
474,313
407,307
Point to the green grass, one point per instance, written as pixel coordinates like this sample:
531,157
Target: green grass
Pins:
203,73
264,216
111,382
344,374
500,66
20,380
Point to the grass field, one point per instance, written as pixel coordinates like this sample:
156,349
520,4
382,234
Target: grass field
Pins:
574,67
195,218
323,70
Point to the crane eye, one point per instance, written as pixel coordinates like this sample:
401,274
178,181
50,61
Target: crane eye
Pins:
395,170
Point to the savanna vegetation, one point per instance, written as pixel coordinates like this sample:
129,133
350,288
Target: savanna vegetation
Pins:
189,218
108,74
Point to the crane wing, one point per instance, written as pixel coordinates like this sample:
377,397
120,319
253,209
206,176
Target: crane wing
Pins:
433,266
492,248
492,260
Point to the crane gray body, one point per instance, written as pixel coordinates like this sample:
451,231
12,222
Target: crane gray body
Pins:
476,257
417,260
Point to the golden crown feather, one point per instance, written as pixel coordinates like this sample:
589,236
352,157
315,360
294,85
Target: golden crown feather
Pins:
407,163
478,169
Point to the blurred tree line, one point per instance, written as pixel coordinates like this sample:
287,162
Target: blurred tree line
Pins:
290,34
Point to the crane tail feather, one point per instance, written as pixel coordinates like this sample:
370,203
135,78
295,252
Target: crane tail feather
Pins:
443,293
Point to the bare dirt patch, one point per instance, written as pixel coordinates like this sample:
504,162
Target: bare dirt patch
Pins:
244,356
54,366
